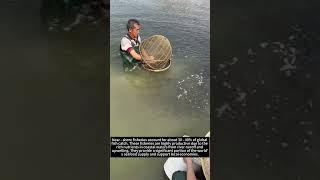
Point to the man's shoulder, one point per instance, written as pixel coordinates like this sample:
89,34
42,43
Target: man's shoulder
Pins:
125,38
125,41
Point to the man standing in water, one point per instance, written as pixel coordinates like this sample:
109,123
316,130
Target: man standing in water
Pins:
129,47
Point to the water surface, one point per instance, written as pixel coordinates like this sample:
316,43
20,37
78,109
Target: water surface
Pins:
171,103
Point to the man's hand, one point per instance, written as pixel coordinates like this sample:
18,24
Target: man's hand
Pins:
187,160
146,56
190,170
151,58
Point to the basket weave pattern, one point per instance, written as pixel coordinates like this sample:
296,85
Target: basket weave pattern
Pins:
156,52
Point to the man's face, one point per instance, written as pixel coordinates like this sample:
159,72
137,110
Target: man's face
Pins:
134,31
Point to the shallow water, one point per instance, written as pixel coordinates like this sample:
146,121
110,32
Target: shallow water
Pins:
171,103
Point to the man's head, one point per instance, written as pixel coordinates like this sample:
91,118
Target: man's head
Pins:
133,27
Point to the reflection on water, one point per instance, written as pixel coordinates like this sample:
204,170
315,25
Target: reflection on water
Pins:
171,103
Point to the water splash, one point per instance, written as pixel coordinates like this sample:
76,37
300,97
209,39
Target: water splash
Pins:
194,90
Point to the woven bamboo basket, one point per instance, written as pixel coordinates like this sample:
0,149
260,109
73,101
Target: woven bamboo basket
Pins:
156,52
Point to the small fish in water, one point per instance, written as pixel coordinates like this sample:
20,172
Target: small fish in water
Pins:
79,18
258,156
256,124
285,60
267,106
293,60
281,45
264,44
226,84
234,60
288,73
276,51
291,37
221,66
287,67
292,50
307,148
50,28
251,53
305,123
67,28
310,103
274,130
284,144
309,133
241,97
296,28
222,109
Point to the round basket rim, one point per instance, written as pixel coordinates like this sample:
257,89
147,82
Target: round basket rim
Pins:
158,70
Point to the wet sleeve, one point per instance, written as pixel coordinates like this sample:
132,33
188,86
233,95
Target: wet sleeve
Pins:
125,44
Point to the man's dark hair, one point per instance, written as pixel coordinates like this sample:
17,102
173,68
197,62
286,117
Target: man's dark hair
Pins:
131,23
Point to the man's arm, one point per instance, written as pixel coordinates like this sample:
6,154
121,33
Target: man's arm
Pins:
126,46
135,55
190,170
